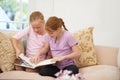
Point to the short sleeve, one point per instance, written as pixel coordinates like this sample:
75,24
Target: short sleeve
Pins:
21,34
71,40
47,38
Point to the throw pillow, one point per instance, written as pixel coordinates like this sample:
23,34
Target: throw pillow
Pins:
7,52
86,46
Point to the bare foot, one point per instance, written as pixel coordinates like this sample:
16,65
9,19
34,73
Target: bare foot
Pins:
30,70
19,68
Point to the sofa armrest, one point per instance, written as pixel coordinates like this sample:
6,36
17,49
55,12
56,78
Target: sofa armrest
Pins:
107,55
118,59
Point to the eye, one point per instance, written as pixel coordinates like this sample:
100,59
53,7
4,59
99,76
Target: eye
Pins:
51,32
38,27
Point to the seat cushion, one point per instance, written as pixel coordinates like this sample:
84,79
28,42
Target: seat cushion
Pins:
22,75
98,72
101,72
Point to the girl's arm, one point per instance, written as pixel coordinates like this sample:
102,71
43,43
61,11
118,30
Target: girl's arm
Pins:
42,51
72,55
15,43
16,40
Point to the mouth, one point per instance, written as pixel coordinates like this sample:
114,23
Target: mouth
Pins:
38,32
52,36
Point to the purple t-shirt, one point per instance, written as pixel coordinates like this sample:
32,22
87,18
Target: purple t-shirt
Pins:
63,47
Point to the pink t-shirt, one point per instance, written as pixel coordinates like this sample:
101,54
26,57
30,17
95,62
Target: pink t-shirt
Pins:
63,47
34,41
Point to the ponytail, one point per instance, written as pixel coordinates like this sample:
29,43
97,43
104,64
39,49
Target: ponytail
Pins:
63,24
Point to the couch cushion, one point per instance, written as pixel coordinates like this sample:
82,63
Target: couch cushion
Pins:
101,72
106,55
22,75
7,53
86,46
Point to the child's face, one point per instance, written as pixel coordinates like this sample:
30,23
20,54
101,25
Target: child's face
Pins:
52,33
38,26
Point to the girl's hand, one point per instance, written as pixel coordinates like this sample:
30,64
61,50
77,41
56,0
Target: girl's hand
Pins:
58,59
18,52
35,59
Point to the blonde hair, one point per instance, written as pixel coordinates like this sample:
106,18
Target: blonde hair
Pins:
54,23
35,16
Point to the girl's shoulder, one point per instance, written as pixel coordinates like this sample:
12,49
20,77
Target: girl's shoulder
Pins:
46,36
67,33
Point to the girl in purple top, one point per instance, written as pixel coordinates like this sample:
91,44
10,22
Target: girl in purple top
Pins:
63,48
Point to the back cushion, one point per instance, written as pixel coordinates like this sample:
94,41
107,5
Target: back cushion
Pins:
106,55
86,46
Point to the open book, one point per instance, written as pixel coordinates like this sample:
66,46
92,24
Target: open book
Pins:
27,63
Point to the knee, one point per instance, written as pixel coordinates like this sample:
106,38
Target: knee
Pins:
30,70
43,72
72,68
19,68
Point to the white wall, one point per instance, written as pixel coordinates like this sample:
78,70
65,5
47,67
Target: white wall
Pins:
104,15
44,6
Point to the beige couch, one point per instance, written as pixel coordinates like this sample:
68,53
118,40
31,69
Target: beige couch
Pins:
107,68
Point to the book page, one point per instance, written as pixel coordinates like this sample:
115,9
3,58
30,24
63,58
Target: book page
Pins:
45,62
24,65
27,62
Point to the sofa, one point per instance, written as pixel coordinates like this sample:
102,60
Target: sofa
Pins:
107,67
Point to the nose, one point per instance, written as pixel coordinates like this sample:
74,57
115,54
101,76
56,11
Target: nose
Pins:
36,30
51,35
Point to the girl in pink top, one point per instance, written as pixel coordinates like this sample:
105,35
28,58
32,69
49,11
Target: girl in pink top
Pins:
63,48
36,43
